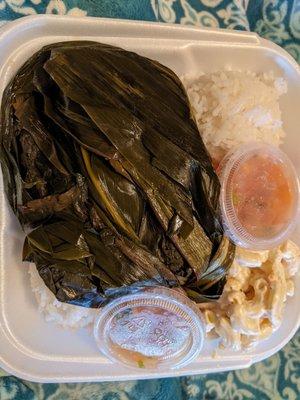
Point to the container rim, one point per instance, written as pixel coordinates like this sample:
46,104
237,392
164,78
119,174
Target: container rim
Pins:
227,169
158,298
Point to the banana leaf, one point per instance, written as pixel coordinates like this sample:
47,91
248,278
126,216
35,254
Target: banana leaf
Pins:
123,129
70,117
87,263
119,196
102,160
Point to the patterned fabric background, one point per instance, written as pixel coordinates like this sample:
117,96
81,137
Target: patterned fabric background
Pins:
275,378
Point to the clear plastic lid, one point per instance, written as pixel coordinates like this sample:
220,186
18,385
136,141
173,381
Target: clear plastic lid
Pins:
155,328
259,196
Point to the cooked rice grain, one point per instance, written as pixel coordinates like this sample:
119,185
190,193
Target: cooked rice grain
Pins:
234,107
63,314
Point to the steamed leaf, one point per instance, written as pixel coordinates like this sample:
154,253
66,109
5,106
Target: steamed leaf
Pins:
102,159
118,196
112,123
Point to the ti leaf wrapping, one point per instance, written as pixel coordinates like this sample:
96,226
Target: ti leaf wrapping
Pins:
102,160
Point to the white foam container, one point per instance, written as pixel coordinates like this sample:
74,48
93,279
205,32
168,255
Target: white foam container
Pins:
35,350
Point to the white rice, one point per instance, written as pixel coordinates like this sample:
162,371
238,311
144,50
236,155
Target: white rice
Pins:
234,107
230,108
63,314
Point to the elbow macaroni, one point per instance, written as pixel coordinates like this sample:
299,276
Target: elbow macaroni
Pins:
252,304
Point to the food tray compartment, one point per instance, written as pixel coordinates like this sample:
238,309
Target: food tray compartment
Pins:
36,350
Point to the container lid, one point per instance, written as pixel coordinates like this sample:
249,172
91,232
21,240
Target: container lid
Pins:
259,196
153,329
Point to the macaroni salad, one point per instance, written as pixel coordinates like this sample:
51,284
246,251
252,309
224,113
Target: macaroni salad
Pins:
252,304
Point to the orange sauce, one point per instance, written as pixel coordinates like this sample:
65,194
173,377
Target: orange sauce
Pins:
140,360
262,196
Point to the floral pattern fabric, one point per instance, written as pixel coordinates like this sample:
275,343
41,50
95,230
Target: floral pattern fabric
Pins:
277,20
275,378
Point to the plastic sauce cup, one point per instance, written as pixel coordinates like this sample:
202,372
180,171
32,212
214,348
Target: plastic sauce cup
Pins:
154,329
259,196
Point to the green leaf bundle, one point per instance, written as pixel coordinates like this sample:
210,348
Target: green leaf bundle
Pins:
102,159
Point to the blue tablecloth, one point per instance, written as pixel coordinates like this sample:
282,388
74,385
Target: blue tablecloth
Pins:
275,378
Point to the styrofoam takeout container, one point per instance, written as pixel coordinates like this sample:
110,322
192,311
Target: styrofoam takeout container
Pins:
39,351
